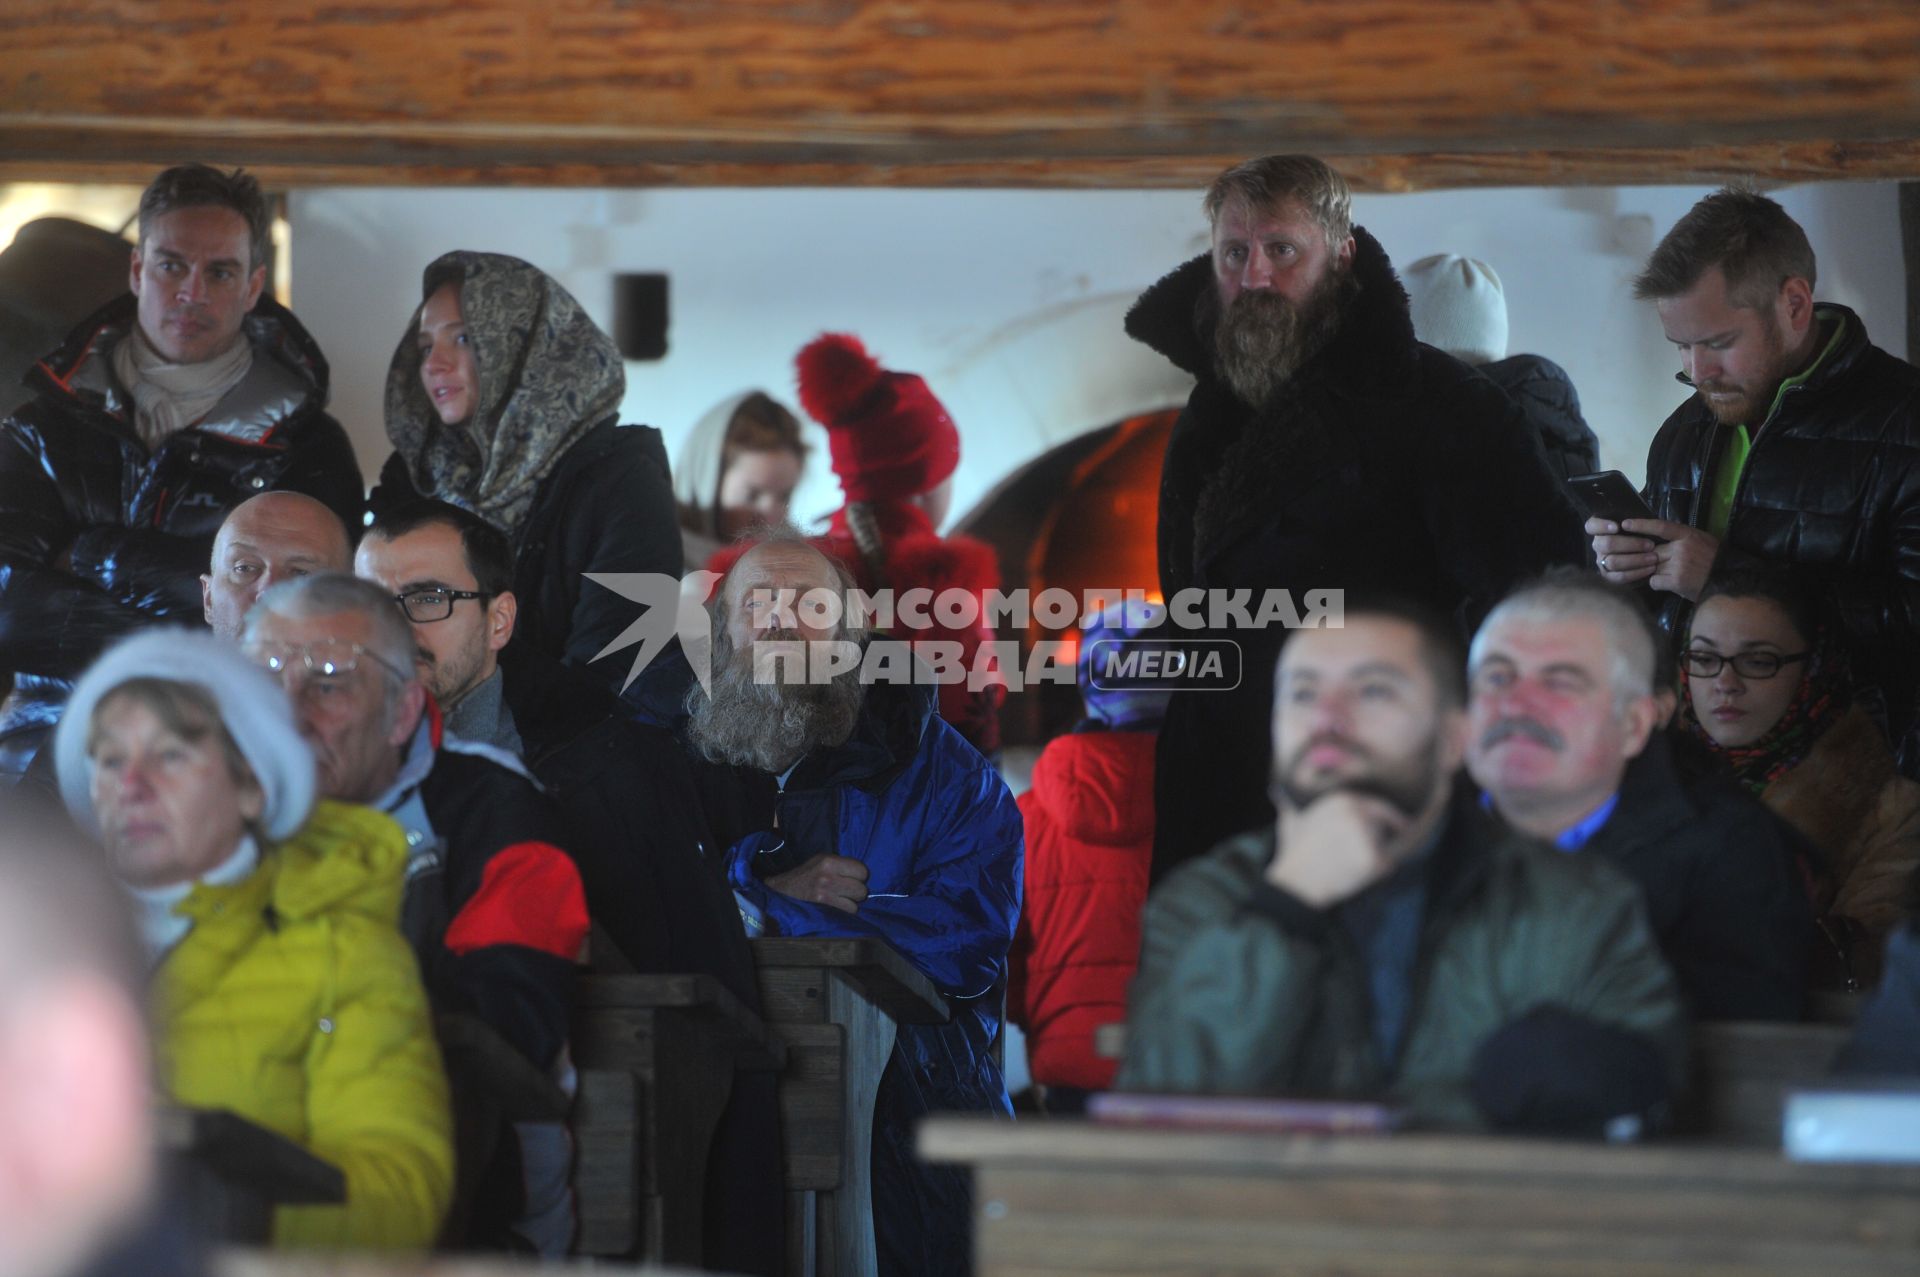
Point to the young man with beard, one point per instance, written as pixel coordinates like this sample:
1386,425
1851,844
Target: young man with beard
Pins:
1384,939
852,810
1563,738
1323,448
626,798
1800,445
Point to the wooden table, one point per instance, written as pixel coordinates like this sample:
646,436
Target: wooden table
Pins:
835,1003
656,1056
1073,1197
230,1173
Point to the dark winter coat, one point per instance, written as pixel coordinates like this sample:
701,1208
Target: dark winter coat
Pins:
1831,486
635,828
1546,395
1719,872
99,536
1245,990
606,506
940,836
1089,827
1886,1038
1383,465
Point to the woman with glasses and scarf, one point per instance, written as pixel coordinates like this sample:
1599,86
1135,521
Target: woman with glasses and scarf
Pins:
1767,693
503,398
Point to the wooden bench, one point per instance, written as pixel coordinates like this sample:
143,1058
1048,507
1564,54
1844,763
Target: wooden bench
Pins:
1072,1197
835,1004
656,1056
1740,1075
231,1173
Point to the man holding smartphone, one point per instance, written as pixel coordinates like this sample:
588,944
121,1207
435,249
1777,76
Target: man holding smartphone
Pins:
1798,446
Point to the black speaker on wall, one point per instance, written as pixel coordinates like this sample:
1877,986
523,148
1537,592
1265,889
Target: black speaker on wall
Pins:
640,315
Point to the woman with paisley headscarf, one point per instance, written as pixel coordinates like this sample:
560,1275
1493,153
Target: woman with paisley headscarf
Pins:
504,398
1767,692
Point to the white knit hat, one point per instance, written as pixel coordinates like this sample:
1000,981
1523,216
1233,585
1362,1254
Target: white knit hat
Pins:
1459,306
253,707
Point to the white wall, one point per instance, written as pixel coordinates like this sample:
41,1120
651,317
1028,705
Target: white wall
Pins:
1010,302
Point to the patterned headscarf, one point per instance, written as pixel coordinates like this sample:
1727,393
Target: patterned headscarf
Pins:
1824,695
548,375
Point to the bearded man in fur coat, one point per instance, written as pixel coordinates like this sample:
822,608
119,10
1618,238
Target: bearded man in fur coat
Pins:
1324,448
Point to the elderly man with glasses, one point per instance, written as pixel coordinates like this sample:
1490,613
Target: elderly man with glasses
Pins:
1565,738
626,795
494,908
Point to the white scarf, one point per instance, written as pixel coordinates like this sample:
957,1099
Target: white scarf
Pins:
169,397
153,907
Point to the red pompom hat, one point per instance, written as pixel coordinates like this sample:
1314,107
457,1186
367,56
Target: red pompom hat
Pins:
890,439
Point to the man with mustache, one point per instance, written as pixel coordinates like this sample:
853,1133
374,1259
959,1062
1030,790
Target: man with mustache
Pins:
159,414
1323,447
1384,938
843,809
1564,739
1799,445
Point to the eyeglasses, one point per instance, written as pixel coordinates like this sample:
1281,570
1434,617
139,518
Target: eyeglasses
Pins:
325,658
1754,665
427,606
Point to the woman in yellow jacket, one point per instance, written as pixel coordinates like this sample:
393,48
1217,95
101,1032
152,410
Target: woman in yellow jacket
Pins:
283,989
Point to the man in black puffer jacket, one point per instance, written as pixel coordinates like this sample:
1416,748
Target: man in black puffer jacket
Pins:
1799,446
162,411
1323,448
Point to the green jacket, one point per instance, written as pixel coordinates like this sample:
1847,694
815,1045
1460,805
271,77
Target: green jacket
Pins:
1244,990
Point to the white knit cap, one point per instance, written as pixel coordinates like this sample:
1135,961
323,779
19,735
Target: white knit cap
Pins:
1459,306
253,708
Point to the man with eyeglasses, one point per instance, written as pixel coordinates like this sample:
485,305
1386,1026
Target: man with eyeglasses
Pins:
627,798
1564,737
494,908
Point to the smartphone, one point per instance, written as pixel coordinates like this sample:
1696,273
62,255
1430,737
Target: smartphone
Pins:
1608,495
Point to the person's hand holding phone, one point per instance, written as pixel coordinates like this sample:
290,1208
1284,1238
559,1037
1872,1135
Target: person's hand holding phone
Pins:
1668,556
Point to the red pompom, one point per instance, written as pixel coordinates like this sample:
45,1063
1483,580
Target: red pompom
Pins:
836,374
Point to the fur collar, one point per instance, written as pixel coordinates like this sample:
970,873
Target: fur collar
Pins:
1319,429
1834,791
1376,329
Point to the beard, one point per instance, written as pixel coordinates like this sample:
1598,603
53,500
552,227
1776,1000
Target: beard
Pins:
1406,784
1747,402
768,725
1262,338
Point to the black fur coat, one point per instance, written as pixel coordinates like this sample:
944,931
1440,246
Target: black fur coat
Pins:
1383,466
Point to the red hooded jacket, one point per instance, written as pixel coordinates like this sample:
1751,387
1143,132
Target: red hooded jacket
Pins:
1089,824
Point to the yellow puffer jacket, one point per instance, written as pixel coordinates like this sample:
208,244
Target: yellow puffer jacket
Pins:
295,1003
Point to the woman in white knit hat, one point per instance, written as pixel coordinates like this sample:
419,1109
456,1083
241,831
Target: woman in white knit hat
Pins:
283,990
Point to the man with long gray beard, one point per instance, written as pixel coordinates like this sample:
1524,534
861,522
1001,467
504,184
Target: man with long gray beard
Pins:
853,810
1322,448
1383,939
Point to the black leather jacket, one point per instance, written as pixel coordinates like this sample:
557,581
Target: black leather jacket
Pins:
99,536
1832,487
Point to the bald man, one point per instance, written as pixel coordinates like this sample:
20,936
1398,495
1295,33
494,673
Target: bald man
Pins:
76,1157
273,537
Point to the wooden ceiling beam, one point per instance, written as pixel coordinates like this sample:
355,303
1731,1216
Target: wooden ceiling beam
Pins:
1404,93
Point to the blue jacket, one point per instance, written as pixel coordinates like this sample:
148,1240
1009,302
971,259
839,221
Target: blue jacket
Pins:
941,838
